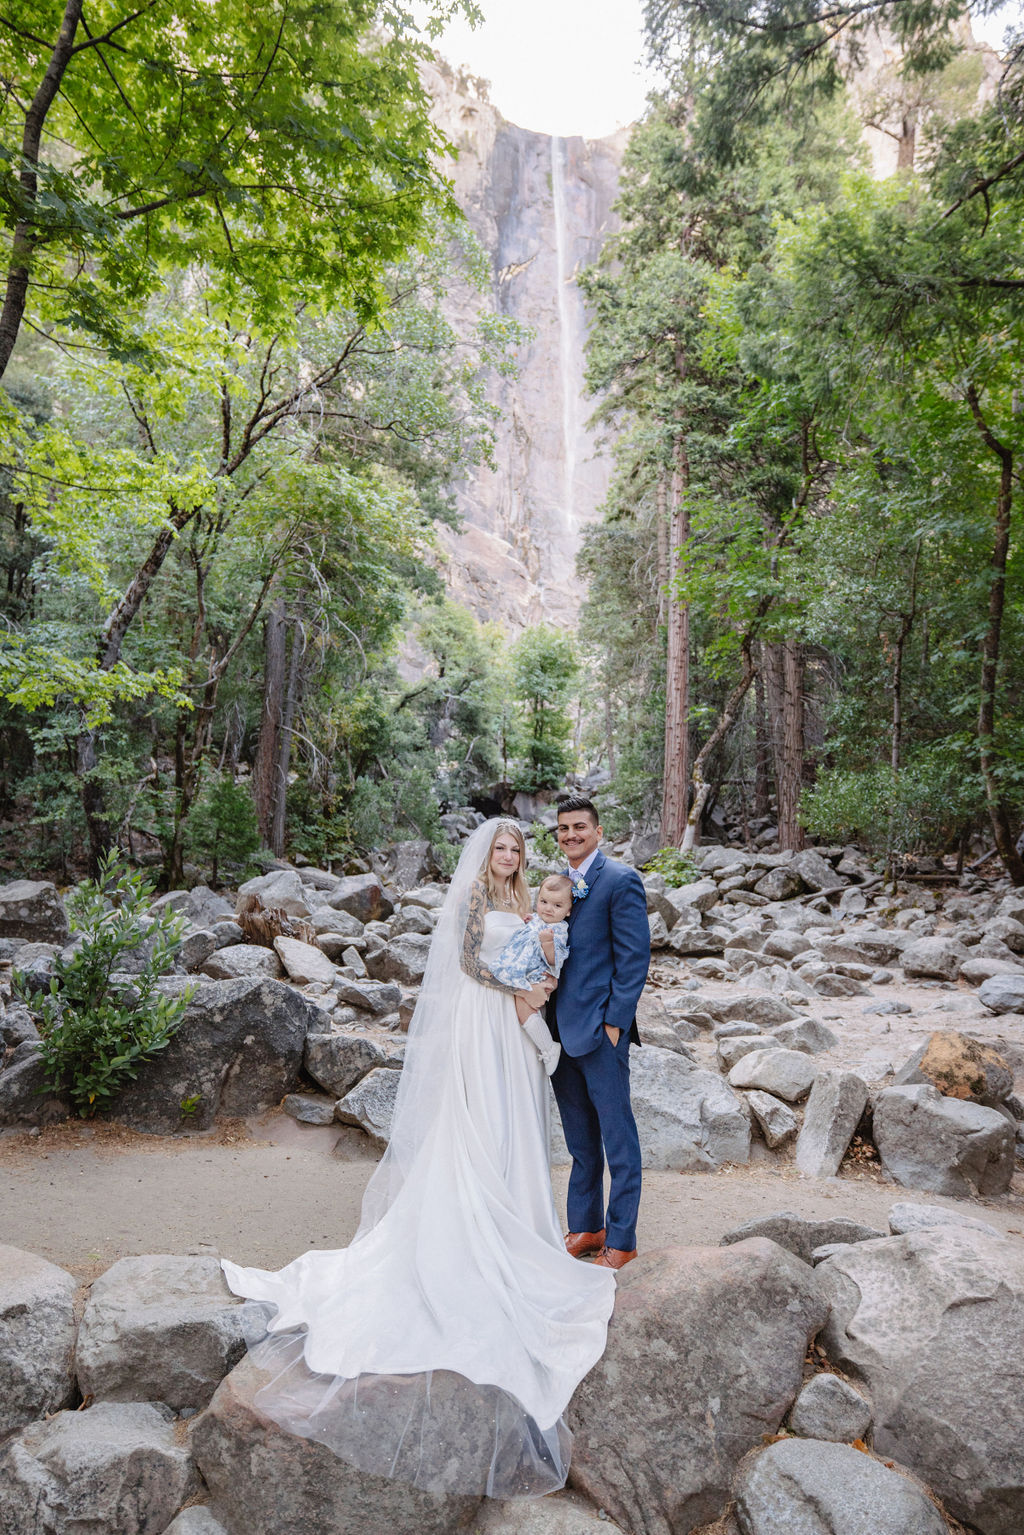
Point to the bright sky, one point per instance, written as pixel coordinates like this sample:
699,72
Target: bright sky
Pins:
572,66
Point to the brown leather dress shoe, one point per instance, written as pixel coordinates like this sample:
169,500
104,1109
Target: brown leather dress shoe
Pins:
579,1243
613,1258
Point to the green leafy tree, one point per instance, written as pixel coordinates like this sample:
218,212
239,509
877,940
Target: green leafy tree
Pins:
544,671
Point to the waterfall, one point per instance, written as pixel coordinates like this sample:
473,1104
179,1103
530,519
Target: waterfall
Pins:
565,333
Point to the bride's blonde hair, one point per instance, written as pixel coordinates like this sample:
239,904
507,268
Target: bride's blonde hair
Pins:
519,889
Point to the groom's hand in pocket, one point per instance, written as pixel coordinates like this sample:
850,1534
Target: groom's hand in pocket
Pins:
613,1034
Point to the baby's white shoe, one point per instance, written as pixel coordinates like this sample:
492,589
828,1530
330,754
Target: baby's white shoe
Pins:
550,1057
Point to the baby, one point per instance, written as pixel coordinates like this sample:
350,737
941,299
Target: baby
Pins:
538,950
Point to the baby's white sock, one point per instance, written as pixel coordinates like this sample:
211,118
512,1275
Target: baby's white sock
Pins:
539,1034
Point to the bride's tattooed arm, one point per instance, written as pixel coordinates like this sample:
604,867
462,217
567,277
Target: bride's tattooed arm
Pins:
472,964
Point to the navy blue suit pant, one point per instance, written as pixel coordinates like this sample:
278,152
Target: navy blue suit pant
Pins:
593,1099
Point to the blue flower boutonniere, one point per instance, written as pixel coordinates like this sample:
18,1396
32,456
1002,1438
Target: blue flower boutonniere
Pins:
580,890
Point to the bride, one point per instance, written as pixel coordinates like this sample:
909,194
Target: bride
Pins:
443,1344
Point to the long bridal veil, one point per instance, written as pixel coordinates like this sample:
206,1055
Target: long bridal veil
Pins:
441,1347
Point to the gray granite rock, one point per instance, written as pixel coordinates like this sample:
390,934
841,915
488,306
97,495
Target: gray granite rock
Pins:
196,1520
371,1104
309,1108
809,1487
778,1123
242,961
734,1047
338,1061
25,1098
926,1141
686,1117
37,1337
829,1408
281,888
264,1481
33,909
808,1034
933,1324
689,1323
905,1217
815,871
378,997
1003,993
785,1074
560,1513
934,958
403,960
833,1112
779,884
304,962
799,1235
117,1469
362,896
162,1328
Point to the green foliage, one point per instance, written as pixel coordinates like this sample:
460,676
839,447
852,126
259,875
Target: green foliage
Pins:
96,1037
675,868
923,807
544,667
545,843
222,827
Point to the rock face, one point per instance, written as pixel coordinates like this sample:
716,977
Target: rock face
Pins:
37,1337
541,208
117,1469
264,1481
704,1357
163,1328
32,909
239,1047
808,1487
926,1141
687,1117
933,1323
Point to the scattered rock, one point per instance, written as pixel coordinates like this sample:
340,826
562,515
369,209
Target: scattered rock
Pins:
959,1067
779,884
37,1337
237,1051
933,1324
808,1035
833,985
936,958
117,1469
338,1061
798,1235
829,1408
816,872
559,1513
926,1141
309,1108
658,930
197,947
304,962
404,960
976,970
371,1104
784,1073
326,920
264,1481
411,862
1003,993
786,943
413,919
905,1217
777,1121
833,1112
810,1487
362,896
1007,930
659,1424
753,1007
686,1117
33,909
242,961
25,1098
282,888
734,1047
162,1328
700,896
378,997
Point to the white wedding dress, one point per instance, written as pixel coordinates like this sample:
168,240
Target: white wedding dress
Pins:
442,1346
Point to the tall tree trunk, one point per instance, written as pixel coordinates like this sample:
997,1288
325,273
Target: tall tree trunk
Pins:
986,727
789,777
896,741
284,747
265,767
677,670
762,749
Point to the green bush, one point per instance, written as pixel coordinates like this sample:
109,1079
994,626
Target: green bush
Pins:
676,868
94,1039
222,828
920,808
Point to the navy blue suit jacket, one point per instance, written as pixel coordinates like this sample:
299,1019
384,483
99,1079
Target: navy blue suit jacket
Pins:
609,956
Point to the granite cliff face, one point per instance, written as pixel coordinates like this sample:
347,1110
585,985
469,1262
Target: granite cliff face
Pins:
541,207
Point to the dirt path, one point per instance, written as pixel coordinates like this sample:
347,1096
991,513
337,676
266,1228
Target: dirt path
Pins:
265,1192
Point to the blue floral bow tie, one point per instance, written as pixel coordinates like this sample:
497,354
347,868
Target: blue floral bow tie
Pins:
580,888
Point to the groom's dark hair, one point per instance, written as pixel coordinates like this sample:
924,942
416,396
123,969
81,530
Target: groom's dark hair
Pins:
576,802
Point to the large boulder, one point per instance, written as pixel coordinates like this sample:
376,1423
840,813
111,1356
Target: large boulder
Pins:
304,962
779,884
786,1074
283,889
934,958
25,1097
237,1051
338,1061
362,896
833,1112
815,871
926,1141
687,1118
404,960
799,1235
265,1481
371,1104
751,1007
959,1067
933,1324
412,862
1003,993
700,896
1007,930
380,997
811,1487
118,1469
242,961
164,1329
704,1356
32,909
906,1216
777,1122
37,1337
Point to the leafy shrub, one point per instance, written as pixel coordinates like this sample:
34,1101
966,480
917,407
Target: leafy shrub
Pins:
223,827
676,868
921,807
94,1036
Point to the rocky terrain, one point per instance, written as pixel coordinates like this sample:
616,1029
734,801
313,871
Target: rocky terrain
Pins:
811,1374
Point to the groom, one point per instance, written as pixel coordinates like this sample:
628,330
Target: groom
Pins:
594,1012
